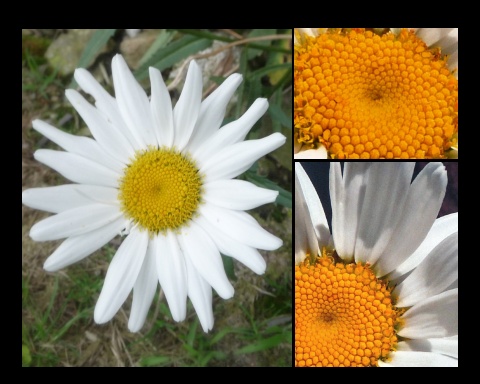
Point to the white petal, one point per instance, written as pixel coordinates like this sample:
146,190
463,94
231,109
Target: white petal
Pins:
441,229
106,104
384,200
77,168
109,138
77,248
212,111
161,106
200,294
424,200
237,194
231,133
197,246
83,146
432,36
133,103
248,256
446,346
347,194
306,241
419,359
63,197
239,157
240,226
434,317
121,275
172,273
437,271
187,108
74,222
319,153
143,292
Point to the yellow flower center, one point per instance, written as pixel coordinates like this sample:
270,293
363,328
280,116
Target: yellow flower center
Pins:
363,95
344,316
160,190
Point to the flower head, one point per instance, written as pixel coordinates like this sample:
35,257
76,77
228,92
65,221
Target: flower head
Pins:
165,178
381,288
374,94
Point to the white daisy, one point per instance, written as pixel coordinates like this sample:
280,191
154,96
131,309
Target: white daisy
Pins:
381,289
381,93
164,178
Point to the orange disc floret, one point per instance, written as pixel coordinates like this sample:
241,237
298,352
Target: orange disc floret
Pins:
393,89
344,315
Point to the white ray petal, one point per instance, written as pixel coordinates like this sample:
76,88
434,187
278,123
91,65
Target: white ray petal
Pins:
248,256
133,103
423,202
74,222
77,248
347,194
197,246
200,294
143,292
446,346
237,194
442,228
63,197
239,157
419,359
383,203
231,133
77,168
437,271
240,226
83,146
121,275
172,273
310,154
212,111
108,137
106,104
186,110
161,107
434,317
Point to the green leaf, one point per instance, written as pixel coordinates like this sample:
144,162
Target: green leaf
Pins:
96,43
172,53
228,266
263,344
26,357
277,114
284,197
257,33
154,361
161,41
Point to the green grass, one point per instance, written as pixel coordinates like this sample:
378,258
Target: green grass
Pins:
254,328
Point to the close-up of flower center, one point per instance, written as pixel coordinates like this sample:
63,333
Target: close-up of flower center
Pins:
160,190
365,95
344,315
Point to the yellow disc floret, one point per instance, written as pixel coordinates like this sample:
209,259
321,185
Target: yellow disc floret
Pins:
160,189
363,95
344,315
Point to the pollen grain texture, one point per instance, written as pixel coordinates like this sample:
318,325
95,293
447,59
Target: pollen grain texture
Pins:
363,95
344,316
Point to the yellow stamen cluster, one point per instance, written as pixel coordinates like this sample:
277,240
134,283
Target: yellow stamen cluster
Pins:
160,190
363,95
344,316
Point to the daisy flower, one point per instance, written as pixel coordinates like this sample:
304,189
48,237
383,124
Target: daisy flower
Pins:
382,93
164,178
381,288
